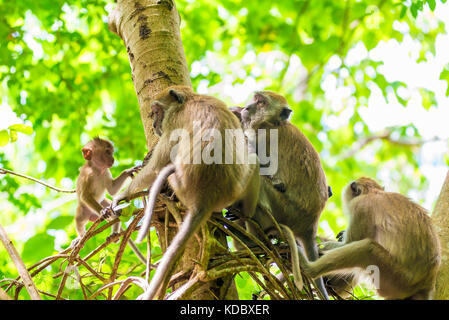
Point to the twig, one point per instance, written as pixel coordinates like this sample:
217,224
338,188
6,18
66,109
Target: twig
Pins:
74,254
386,136
29,284
6,171
275,281
185,289
122,247
127,283
3,295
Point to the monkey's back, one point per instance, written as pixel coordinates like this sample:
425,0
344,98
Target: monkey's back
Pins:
217,184
402,227
308,184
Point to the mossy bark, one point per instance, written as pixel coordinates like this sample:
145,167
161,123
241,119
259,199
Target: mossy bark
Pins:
440,217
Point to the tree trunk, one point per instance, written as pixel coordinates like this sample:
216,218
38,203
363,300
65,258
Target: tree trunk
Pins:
150,31
440,218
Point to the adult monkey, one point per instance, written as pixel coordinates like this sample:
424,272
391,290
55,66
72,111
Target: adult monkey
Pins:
305,190
202,187
389,231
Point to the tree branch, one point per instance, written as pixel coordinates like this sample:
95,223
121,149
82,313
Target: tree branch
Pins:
6,171
29,284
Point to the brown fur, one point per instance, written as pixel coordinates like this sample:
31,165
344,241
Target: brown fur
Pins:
299,169
93,182
390,231
202,188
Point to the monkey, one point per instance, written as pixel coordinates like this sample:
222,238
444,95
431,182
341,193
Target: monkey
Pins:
304,187
387,231
93,182
202,188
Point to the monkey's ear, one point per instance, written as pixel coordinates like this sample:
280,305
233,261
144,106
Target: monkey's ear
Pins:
285,113
179,96
356,191
87,153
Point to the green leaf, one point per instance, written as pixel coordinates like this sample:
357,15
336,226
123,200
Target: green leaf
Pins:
13,135
126,213
414,10
432,4
4,138
38,247
60,222
23,128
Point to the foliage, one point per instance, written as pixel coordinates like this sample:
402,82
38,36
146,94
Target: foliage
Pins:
65,75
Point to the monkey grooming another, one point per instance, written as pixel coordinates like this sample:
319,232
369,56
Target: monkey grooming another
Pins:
387,231
202,187
93,182
304,188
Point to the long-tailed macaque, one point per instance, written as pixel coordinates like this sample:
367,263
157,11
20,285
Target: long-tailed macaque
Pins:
304,193
93,182
389,233
192,127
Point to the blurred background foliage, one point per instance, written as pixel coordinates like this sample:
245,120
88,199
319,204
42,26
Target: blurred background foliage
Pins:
66,76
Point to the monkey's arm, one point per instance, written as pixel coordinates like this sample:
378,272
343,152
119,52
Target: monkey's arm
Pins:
357,254
159,159
116,184
90,201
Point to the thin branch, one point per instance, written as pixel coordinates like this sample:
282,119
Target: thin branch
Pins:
386,136
6,171
29,284
122,247
3,295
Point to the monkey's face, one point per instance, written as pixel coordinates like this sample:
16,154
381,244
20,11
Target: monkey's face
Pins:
167,101
103,157
157,113
266,107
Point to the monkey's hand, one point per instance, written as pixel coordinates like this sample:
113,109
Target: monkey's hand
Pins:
130,172
109,214
340,236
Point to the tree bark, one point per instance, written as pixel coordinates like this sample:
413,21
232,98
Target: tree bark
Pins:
150,31
440,217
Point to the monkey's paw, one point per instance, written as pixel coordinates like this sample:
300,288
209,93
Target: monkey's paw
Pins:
340,236
108,213
133,170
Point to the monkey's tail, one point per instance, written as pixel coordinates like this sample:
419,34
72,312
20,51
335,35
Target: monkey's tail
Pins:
297,278
188,228
311,249
152,197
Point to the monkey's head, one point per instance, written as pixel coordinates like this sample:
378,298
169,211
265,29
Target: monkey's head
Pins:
359,187
166,103
266,108
99,152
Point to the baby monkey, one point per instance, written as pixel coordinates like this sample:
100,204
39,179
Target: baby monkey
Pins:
93,182
387,231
